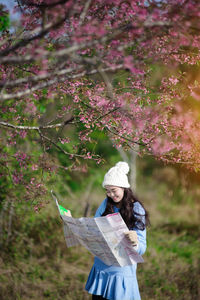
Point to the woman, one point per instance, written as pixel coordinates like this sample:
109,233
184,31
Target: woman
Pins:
111,282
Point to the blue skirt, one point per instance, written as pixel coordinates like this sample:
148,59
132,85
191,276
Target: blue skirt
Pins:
113,283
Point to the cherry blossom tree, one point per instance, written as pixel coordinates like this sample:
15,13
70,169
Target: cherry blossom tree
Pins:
125,68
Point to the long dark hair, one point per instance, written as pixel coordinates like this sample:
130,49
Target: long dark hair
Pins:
131,217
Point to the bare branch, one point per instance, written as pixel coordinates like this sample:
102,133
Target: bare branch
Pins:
8,125
123,137
17,59
43,5
60,148
108,113
82,16
36,78
33,89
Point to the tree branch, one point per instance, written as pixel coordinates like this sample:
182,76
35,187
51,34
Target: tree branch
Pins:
53,81
33,36
124,138
60,148
36,78
21,127
59,53
83,14
43,5
106,114
38,128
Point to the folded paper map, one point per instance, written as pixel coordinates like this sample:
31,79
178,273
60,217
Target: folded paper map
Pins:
103,237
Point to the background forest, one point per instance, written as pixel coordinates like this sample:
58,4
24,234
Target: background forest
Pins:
83,85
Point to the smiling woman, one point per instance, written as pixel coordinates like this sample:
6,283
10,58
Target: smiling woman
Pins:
111,282
115,193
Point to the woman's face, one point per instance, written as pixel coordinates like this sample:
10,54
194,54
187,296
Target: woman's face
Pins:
116,193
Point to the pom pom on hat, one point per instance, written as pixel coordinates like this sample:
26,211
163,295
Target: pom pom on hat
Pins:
117,175
123,166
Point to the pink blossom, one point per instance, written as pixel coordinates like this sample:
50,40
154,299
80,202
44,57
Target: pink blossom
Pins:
173,80
34,167
23,133
64,141
76,99
30,108
17,177
32,180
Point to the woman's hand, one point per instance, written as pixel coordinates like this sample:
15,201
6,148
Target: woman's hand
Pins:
132,237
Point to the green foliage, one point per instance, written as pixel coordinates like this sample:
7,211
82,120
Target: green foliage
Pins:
172,260
4,22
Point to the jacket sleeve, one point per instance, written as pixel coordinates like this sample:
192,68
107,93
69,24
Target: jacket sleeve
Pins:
101,209
141,247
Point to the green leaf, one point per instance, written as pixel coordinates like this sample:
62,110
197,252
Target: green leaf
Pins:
42,108
4,22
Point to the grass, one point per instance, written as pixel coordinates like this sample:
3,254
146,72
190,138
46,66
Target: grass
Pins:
52,271
172,265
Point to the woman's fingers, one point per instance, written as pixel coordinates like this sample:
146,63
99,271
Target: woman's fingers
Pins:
132,236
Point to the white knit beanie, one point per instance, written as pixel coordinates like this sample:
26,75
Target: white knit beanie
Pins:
117,175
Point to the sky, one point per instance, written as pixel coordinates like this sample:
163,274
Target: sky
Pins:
10,4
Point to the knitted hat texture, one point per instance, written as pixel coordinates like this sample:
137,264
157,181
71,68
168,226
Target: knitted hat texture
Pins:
117,175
